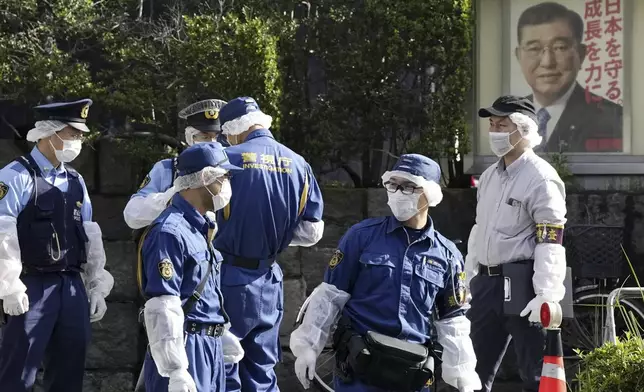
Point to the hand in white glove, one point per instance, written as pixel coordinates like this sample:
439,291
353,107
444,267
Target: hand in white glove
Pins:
534,308
305,366
233,351
97,307
181,381
16,304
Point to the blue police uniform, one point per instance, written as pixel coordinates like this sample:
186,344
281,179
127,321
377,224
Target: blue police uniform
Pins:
176,253
399,280
273,194
159,179
141,210
50,205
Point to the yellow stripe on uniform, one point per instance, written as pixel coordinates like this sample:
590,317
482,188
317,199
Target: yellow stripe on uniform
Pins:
227,211
305,195
139,267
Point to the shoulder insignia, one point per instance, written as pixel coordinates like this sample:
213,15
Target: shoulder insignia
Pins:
145,182
4,189
165,269
336,259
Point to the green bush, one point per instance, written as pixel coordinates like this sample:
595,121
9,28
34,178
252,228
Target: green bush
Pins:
613,367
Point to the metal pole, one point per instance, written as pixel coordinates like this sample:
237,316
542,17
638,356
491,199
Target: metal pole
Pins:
610,334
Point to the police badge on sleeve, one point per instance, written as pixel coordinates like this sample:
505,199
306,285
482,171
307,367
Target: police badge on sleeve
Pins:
336,259
4,189
165,269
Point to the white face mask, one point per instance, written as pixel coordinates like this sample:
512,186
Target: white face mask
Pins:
500,143
403,206
221,199
71,149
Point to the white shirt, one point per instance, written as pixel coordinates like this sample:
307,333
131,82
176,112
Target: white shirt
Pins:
511,201
555,110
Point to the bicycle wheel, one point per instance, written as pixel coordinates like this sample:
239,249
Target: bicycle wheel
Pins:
585,332
323,376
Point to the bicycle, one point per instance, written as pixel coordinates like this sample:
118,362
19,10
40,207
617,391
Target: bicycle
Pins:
599,265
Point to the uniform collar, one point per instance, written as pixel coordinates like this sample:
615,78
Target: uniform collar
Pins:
259,133
393,224
515,167
43,163
190,214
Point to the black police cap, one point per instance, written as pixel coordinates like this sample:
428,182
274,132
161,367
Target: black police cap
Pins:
508,104
73,113
207,121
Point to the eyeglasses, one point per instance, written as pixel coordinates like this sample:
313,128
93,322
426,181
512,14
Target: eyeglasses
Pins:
405,189
560,50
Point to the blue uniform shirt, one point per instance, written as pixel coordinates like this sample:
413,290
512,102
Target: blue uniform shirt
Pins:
176,256
158,180
271,196
16,185
397,289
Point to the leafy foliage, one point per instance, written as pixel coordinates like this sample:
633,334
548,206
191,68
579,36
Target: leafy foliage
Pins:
613,367
341,78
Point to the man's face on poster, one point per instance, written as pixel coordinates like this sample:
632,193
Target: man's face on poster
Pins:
550,57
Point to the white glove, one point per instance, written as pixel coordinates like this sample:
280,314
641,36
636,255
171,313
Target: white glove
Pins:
16,304
534,308
465,389
233,351
305,365
97,307
181,381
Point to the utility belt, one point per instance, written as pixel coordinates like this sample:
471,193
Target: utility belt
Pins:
381,361
497,270
31,270
248,263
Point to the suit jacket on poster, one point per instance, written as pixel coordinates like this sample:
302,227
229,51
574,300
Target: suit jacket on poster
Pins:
586,127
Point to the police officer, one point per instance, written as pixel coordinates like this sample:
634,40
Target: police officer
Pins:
519,219
184,314
392,276
203,125
52,277
277,203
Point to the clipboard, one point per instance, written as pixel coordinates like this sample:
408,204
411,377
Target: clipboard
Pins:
518,289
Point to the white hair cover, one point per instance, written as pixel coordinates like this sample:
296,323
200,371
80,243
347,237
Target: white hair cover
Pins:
432,190
202,178
43,129
527,127
241,124
191,132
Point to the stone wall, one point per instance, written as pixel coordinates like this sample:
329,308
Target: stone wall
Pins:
117,345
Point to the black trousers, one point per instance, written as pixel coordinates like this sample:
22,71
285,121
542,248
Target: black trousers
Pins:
492,331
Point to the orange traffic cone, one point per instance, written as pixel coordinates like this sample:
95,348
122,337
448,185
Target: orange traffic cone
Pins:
553,375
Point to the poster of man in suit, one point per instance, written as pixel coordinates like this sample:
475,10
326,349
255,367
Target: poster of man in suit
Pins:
568,59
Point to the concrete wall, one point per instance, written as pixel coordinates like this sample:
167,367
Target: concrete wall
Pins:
116,352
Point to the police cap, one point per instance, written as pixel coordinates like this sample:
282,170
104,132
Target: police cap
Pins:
419,165
238,107
73,113
202,155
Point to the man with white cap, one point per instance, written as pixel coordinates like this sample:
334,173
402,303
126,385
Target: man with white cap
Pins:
52,277
179,276
520,218
202,126
277,203
391,281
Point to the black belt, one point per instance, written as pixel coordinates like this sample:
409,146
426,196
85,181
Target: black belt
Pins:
497,270
213,330
30,270
245,262
490,270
